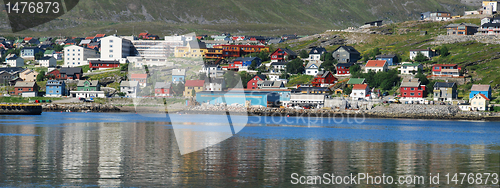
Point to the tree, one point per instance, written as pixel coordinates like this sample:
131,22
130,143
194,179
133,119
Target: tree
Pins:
347,90
202,76
420,57
231,79
295,66
253,65
261,69
121,94
355,69
444,51
124,67
329,65
245,77
326,56
372,54
40,76
178,88
303,54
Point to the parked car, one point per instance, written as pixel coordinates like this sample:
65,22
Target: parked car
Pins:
385,93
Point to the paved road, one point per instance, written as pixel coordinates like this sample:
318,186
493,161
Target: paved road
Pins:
70,100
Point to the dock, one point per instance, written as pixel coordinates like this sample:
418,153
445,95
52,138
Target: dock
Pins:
20,109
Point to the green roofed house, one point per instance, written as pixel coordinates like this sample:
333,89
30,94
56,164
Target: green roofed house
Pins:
410,68
354,81
88,85
43,39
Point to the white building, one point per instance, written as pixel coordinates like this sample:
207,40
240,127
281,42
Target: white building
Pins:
115,48
88,94
376,66
15,61
315,54
408,68
426,52
312,68
317,100
360,91
130,88
212,71
47,61
75,56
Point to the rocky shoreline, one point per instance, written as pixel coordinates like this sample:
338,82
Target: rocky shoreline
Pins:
393,111
80,108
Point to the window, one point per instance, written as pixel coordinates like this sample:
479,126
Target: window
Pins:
413,89
110,41
111,46
110,55
412,94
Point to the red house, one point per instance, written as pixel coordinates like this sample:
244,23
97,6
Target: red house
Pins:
324,79
446,70
141,78
148,36
283,54
252,84
22,87
102,64
67,73
343,68
163,89
411,88
237,38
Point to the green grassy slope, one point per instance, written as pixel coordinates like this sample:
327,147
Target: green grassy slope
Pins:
277,16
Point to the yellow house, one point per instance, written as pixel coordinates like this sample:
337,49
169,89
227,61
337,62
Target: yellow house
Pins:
190,85
28,75
193,49
479,102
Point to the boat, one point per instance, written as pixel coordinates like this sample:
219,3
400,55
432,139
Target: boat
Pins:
20,109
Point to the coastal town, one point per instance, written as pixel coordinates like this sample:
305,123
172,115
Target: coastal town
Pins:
249,71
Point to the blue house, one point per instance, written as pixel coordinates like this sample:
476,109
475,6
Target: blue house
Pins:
55,88
483,89
28,53
247,61
178,75
391,59
241,97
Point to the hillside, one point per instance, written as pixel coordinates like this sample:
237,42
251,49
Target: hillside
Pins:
481,60
251,17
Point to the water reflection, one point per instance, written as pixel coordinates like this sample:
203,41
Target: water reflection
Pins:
147,154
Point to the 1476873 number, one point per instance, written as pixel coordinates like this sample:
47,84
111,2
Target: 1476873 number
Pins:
33,8
472,178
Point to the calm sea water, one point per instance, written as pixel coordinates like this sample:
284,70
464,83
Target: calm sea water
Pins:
114,150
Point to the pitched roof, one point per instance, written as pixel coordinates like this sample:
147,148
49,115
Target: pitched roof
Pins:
129,84
70,70
491,25
279,63
482,95
359,86
478,87
214,80
81,83
100,35
317,50
376,63
288,51
444,84
49,52
356,81
194,83
46,58
163,85
311,64
464,24
139,76
25,84
344,64
410,82
246,58
261,76
349,49
385,56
